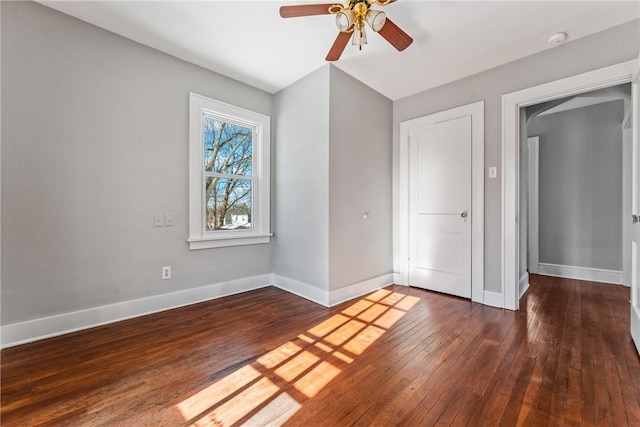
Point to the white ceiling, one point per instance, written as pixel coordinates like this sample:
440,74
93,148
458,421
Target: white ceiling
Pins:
248,41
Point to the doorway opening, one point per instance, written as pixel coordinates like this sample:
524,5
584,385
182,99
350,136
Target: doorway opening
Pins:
575,187
511,104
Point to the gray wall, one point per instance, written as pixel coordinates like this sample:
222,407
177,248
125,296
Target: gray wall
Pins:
359,182
609,47
94,142
329,172
580,189
301,168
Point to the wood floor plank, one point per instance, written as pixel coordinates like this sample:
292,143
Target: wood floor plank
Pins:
412,354
400,356
437,366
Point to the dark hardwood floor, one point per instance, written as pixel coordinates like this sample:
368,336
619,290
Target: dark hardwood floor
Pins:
400,356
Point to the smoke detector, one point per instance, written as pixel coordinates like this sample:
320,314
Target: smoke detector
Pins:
558,38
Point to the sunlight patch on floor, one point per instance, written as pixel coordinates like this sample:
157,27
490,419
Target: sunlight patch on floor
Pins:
296,366
273,388
363,340
276,412
240,405
343,333
329,325
316,379
217,392
280,354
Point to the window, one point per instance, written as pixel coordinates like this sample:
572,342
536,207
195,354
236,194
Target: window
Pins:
229,175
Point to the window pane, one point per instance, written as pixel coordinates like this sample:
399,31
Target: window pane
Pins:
227,147
228,204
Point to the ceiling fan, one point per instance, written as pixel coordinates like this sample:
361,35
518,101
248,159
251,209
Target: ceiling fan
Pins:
350,20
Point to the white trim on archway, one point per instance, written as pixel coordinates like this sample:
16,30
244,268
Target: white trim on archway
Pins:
511,104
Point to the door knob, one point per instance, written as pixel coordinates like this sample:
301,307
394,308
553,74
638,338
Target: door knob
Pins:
635,218
464,214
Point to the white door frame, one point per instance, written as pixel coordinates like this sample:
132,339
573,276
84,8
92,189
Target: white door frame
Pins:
476,111
511,104
627,188
533,144
635,209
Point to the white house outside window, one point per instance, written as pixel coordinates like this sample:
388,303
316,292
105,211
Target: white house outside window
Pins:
229,175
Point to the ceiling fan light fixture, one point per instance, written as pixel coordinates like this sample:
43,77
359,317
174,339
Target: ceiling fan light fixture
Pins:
359,37
376,19
344,20
351,20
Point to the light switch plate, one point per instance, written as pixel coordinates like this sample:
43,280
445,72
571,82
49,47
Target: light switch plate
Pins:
158,220
168,220
493,171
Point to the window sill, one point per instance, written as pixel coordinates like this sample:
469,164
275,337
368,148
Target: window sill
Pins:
208,243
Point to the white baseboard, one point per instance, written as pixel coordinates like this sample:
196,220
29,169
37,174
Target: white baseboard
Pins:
301,289
494,299
356,290
32,330
336,296
524,284
51,326
581,273
397,279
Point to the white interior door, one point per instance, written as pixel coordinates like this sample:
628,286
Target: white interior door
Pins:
635,205
440,206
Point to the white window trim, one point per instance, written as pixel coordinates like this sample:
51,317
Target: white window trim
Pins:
260,233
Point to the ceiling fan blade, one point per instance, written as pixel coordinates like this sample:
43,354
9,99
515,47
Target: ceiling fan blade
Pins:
394,35
338,46
305,10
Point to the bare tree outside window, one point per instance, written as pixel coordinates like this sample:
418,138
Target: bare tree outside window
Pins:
228,163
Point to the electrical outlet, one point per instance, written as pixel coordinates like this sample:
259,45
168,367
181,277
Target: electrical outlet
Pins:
166,273
168,220
158,220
